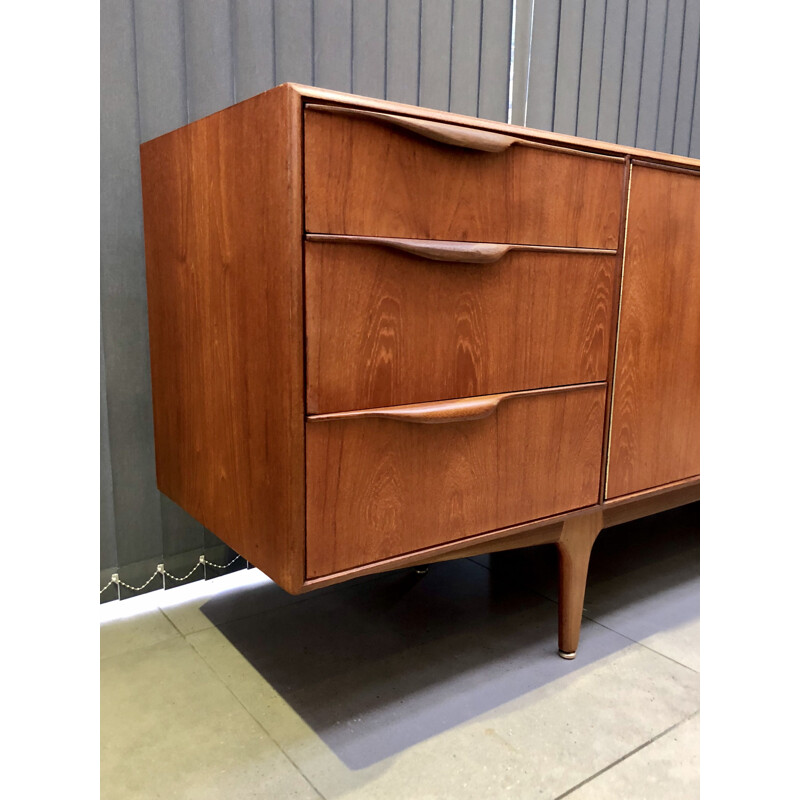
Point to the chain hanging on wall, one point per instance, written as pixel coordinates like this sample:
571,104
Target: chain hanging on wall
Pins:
161,570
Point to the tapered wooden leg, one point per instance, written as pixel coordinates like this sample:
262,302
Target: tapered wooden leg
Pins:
574,548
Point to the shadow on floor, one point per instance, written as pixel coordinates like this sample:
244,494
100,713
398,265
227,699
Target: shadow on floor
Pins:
377,666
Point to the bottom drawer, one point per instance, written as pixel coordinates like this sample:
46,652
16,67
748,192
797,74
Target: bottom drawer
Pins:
380,483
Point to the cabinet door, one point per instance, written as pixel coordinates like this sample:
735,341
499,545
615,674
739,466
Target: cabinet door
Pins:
655,415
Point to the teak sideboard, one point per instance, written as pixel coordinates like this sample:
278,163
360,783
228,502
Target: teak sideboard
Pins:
383,335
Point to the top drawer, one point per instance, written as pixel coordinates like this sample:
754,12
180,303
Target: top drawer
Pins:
368,175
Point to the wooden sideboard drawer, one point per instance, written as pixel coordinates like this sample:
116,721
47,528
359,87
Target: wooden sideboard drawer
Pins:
386,327
367,175
378,486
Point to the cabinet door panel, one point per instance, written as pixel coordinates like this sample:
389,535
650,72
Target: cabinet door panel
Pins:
655,418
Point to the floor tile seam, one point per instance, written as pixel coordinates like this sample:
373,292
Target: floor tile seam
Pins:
171,622
608,627
619,633
179,632
633,752
256,720
641,644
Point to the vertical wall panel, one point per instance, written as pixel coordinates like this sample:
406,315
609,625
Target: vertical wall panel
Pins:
369,48
542,72
521,56
253,47
615,70
591,67
402,51
632,72
184,539
123,298
495,55
161,67
209,56
333,44
652,62
687,78
670,72
294,41
694,145
108,541
611,75
568,66
465,63
434,58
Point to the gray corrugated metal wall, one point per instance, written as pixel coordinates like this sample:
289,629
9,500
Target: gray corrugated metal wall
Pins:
613,70
622,71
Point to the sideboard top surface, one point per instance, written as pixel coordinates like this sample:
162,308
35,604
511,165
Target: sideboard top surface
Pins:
547,137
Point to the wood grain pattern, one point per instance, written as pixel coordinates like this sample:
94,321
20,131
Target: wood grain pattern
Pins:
364,178
386,328
544,531
379,488
574,550
655,418
543,136
223,233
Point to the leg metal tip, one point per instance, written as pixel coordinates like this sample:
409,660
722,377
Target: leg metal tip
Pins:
568,656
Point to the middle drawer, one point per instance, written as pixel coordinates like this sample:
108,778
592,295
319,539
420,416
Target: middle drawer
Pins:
385,327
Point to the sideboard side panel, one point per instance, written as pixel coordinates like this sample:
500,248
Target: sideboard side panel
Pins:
223,239
655,418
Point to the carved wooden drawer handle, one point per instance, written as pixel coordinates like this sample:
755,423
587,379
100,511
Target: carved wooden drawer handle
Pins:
455,135
435,250
461,410
443,250
428,413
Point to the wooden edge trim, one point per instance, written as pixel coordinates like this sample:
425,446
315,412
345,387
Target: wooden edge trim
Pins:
641,162
693,480
457,133
452,410
448,250
652,501
573,143
543,531
612,367
573,151
298,581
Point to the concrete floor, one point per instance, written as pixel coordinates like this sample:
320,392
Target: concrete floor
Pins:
406,687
